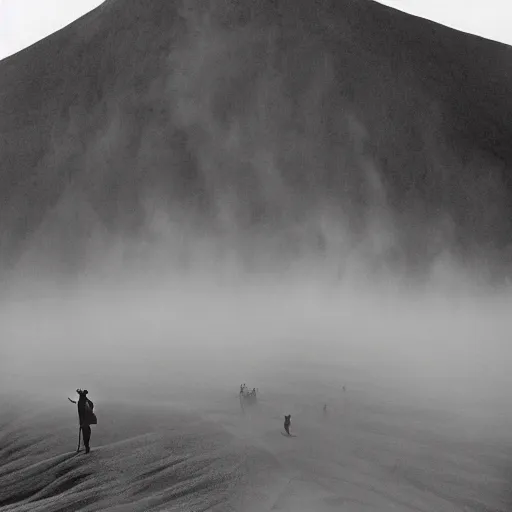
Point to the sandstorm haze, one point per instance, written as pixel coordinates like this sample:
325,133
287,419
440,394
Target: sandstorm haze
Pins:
195,195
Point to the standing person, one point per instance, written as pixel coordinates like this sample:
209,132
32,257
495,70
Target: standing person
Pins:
86,417
287,423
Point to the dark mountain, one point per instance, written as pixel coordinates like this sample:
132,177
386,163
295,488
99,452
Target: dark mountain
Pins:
264,120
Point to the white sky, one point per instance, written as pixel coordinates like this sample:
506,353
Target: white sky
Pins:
23,22
487,18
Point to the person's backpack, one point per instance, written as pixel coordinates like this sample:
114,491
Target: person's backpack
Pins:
89,416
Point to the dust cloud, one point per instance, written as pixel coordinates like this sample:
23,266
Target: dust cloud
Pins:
171,342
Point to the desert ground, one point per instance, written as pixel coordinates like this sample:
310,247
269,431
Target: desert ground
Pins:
202,451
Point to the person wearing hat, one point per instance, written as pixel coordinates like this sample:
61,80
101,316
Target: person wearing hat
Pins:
86,417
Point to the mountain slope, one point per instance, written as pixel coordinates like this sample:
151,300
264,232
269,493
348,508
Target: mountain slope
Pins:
261,116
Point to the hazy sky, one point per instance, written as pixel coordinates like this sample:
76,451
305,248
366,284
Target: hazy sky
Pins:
23,22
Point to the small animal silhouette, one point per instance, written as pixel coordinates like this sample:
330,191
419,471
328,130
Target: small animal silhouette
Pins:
287,423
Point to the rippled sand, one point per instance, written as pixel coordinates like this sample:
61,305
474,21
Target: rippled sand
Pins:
360,456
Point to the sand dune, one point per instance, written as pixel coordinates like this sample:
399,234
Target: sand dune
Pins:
357,457
141,460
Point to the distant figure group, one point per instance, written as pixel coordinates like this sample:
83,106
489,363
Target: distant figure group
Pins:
246,396
86,418
244,391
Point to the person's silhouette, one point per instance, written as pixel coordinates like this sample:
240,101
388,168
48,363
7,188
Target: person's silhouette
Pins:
85,416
